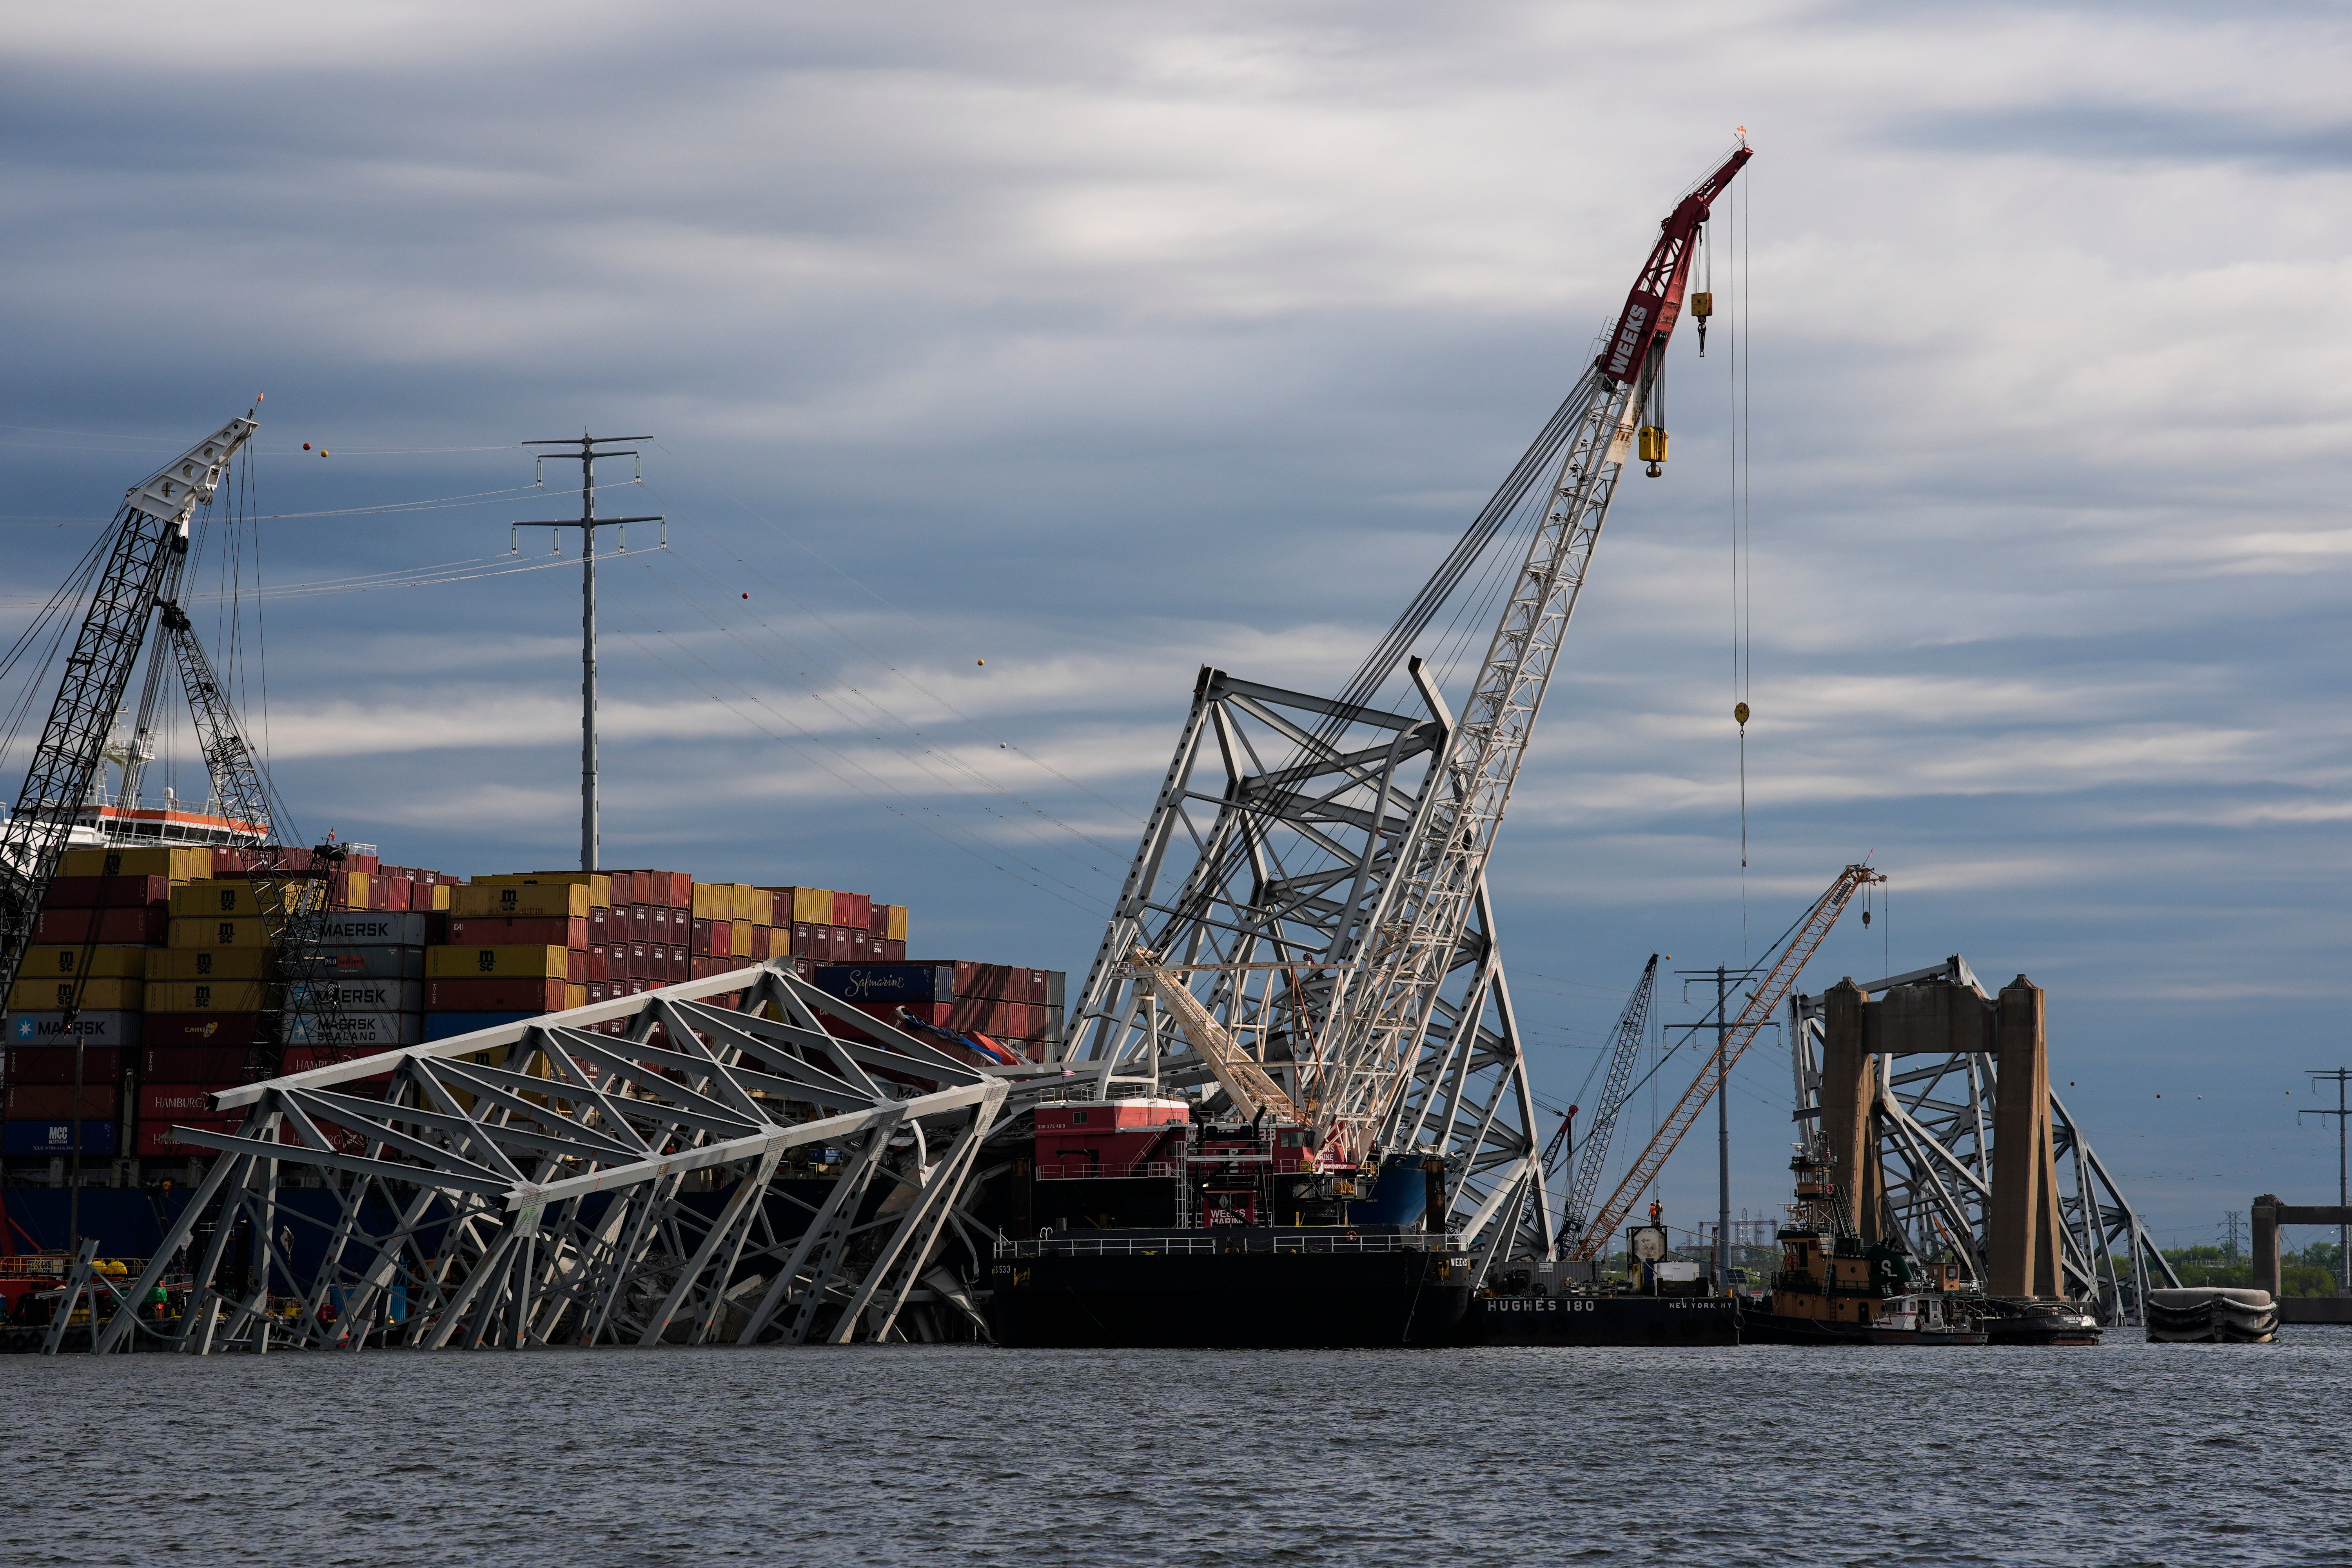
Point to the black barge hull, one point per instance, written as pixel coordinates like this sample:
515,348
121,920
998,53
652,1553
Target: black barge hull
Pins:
1231,1301
1603,1320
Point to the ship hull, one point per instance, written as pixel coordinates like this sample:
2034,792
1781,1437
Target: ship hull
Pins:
1603,1320
1234,1300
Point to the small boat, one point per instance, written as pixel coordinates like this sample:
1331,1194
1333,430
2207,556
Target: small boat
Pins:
2212,1314
1923,1318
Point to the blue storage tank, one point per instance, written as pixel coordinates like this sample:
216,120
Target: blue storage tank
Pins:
1400,1197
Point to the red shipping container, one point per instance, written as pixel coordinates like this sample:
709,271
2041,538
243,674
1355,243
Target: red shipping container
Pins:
860,944
780,907
55,1064
575,965
188,1102
198,1028
854,909
681,964
763,941
398,894
74,928
518,930
893,952
195,1064
638,985
54,1101
494,994
106,893
155,1141
303,1059
624,891
877,919
702,967
700,943
339,1139
641,923
600,924
597,969
722,939
370,864
804,940
666,890
640,964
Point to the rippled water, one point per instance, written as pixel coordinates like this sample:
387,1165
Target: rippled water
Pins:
2128,1454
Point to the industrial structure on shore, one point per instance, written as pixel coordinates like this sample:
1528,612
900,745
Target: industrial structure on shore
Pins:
1289,1103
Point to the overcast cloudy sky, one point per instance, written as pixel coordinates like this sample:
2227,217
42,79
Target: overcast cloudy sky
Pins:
1099,342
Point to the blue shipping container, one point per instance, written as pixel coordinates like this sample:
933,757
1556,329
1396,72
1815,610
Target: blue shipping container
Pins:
448,1026
26,1138
907,983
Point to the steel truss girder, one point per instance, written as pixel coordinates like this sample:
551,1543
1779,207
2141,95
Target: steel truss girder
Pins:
1934,1121
1281,862
548,1183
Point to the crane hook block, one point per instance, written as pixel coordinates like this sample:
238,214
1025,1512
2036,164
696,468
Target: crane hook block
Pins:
1740,714
1653,446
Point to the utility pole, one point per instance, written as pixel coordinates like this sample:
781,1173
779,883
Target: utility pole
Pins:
2343,1186
588,523
1723,977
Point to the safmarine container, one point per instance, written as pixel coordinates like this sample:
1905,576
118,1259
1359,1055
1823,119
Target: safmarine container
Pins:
887,982
212,963
567,899
108,960
53,996
101,1029
374,927
25,1138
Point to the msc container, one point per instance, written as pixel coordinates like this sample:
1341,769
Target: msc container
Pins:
381,1030
501,995
55,1064
160,1140
532,931
25,1138
222,995
48,995
109,960
501,959
369,962
179,1102
222,897
195,1064
899,982
199,1028
598,883
78,928
246,931
374,928
360,995
177,865
449,1025
113,1027
212,963
566,898
99,1101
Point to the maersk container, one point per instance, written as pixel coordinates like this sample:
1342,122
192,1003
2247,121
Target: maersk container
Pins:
384,1029
95,1028
27,1139
370,962
362,996
372,928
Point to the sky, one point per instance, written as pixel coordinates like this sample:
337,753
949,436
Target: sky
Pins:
1097,343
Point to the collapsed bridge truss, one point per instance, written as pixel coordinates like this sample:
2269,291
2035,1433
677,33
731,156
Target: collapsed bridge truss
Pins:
665,1168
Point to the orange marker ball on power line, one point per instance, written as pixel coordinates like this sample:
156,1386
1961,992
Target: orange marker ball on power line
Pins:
306,445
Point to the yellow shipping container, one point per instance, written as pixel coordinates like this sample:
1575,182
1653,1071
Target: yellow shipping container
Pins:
478,898
180,865
576,997
197,931
110,960
703,896
350,890
810,906
519,961
230,897
751,904
51,995
897,931
212,963
741,941
205,996
600,886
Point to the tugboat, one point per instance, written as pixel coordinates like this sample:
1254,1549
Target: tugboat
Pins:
1835,1287
1165,1230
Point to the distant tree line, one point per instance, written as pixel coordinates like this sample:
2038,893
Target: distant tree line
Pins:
2311,1271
